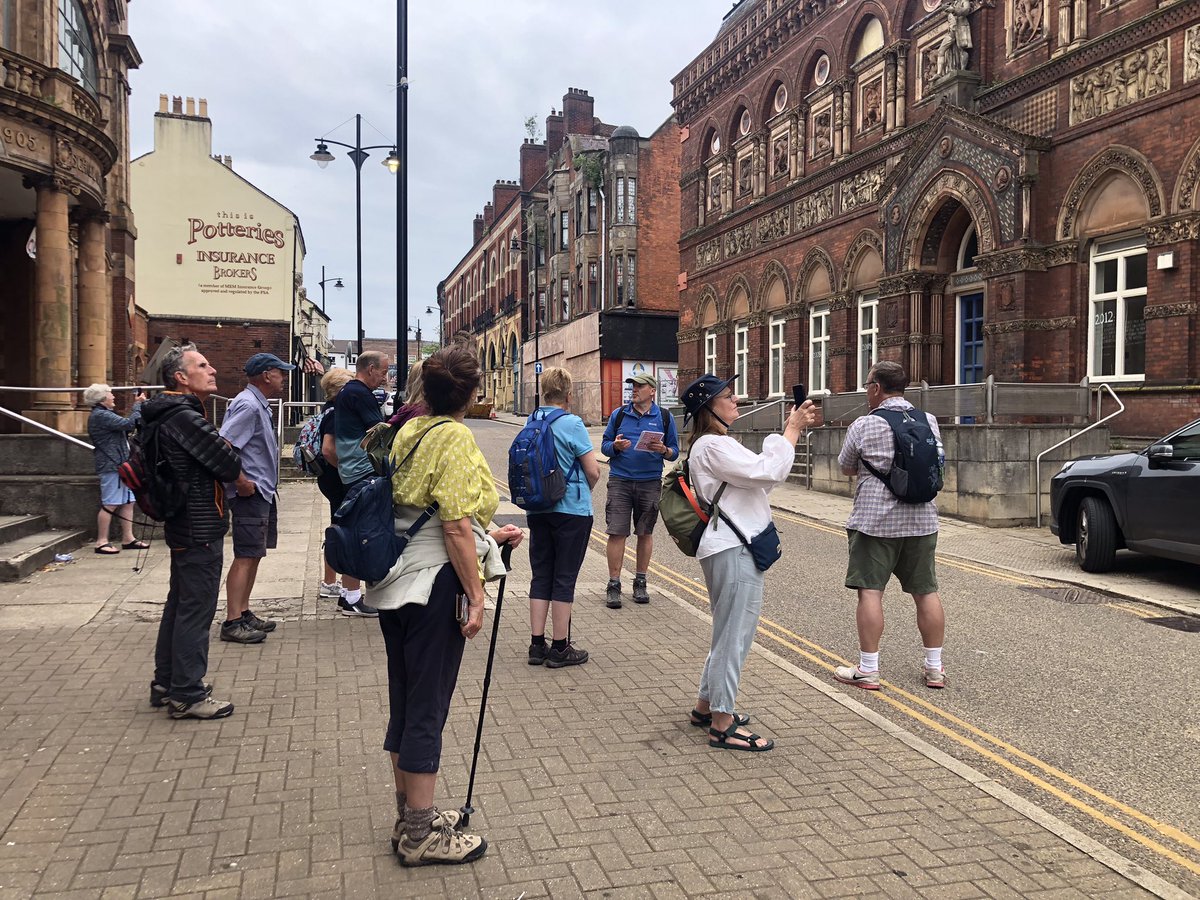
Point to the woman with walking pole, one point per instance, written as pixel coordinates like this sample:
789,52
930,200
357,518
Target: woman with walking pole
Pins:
431,602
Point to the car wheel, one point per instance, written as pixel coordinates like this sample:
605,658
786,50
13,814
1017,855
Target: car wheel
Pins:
1095,535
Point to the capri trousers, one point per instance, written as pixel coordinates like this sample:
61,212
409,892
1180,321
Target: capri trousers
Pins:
735,594
424,649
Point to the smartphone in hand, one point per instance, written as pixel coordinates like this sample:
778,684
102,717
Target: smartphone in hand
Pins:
461,611
799,394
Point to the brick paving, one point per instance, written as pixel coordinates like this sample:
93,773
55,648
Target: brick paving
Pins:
592,783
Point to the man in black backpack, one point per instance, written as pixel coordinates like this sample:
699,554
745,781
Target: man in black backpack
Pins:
200,460
888,535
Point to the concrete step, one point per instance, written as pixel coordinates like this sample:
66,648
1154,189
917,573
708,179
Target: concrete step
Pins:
20,557
67,501
13,527
44,454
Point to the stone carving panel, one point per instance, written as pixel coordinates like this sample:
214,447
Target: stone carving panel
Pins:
870,104
781,156
814,209
1136,76
1028,23
862,189
740,240
774,225
708,253
1191,54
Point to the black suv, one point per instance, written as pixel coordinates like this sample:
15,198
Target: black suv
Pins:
1147,501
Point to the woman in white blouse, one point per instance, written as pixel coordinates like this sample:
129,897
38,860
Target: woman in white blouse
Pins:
735,584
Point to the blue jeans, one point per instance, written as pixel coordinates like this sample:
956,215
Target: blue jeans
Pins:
735,595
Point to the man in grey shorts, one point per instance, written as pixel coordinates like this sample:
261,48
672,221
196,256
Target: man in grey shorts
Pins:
888,537
635,481
249,427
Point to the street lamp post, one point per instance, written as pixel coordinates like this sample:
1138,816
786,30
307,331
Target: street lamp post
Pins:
357,153
537,314
337,283
402,181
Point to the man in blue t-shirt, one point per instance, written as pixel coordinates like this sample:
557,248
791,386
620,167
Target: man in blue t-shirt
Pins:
355,411
635,481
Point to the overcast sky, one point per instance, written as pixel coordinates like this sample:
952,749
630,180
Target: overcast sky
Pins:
277,75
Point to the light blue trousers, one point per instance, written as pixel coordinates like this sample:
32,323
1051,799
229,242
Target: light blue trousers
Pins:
735,594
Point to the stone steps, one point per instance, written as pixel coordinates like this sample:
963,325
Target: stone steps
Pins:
26,544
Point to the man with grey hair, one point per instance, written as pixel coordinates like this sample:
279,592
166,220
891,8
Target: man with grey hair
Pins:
252,499
355,412
198,459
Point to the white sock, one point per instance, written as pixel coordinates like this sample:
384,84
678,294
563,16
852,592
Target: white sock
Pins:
933,657
868,662
353,597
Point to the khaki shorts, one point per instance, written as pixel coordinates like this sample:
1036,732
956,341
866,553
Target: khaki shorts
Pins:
874,560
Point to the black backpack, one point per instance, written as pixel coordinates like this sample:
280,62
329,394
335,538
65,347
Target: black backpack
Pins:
148,473
916,472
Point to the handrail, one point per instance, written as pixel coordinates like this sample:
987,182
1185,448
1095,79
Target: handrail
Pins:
760,407
53,431
80,390
1037,472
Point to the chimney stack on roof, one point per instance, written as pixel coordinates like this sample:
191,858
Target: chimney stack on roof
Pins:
478,230
177,105
162,103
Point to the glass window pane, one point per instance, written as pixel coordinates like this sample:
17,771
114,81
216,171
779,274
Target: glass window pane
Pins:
1104,337
1106,276
1135,271
1135,334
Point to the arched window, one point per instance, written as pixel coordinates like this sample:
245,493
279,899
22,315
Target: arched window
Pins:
739,311
76,52
870,39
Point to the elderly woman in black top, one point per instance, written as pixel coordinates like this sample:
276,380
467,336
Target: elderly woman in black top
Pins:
109,434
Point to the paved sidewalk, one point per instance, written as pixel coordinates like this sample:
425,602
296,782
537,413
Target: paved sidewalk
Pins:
1028,551
591,781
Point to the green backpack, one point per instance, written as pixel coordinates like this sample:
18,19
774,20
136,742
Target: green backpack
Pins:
683,513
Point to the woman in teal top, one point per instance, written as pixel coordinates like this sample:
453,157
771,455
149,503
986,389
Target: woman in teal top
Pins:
558,537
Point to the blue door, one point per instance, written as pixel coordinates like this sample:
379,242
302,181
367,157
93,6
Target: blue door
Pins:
970,329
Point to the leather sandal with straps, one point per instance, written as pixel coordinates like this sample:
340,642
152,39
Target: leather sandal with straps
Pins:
719,740
704,720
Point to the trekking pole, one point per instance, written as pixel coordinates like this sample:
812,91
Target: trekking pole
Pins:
467,809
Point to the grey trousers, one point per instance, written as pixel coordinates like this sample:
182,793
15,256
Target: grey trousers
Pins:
735,594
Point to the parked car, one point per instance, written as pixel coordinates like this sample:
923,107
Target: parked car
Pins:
384,399
1148,502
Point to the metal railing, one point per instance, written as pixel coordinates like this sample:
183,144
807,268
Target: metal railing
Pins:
781,405
1037,463
982,402
46,428
25,420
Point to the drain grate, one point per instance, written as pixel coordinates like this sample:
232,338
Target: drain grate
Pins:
1189,624
1074,595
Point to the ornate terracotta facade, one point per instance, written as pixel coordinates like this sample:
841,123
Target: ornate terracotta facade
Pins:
974,190
66,231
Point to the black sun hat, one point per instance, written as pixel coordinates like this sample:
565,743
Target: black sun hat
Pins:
700,393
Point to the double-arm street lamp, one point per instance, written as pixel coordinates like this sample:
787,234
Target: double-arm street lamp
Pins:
516,246
416,329
357,153
337,283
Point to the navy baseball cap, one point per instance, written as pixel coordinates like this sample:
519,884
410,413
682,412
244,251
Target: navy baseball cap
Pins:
260,362
700,393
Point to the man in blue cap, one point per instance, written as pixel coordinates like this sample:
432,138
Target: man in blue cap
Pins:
249,427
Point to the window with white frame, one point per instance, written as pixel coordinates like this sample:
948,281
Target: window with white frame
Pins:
710,352
741,356
564,305
76,52
818,349
564,230
1117,291
631,200
775,353
868,335
619,213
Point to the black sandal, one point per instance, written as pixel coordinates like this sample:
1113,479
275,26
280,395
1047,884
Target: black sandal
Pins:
136,545
107,550
754,743
704,720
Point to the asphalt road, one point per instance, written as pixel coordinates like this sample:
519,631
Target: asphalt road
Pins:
1083,708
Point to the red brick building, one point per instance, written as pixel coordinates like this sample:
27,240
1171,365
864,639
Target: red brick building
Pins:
598,206
1005,190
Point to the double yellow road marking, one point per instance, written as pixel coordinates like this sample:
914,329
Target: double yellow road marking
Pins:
1059,784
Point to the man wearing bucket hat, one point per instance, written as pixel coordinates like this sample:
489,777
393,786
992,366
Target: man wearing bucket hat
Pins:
249,427
635,481
730,551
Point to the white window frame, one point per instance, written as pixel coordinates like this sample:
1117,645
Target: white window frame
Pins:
818,348
867,300
741,356
776,344
1121,250
710,352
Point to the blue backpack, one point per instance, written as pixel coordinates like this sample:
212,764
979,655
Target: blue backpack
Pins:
534,478
362,541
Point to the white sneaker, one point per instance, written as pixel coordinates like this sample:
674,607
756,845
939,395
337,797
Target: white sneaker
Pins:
332,591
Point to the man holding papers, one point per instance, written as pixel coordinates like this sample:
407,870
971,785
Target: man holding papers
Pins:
639,437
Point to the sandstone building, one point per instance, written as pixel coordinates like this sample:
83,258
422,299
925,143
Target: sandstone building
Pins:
1004,190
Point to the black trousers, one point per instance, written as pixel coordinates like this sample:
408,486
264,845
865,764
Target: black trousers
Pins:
424,650
181,654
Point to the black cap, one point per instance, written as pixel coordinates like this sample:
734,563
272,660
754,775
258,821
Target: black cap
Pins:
700,393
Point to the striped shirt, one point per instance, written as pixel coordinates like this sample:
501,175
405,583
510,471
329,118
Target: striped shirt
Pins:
877,511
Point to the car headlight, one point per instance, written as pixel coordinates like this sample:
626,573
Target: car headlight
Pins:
1066,466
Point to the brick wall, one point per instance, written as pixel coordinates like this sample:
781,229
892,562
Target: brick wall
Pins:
658,220
225,345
